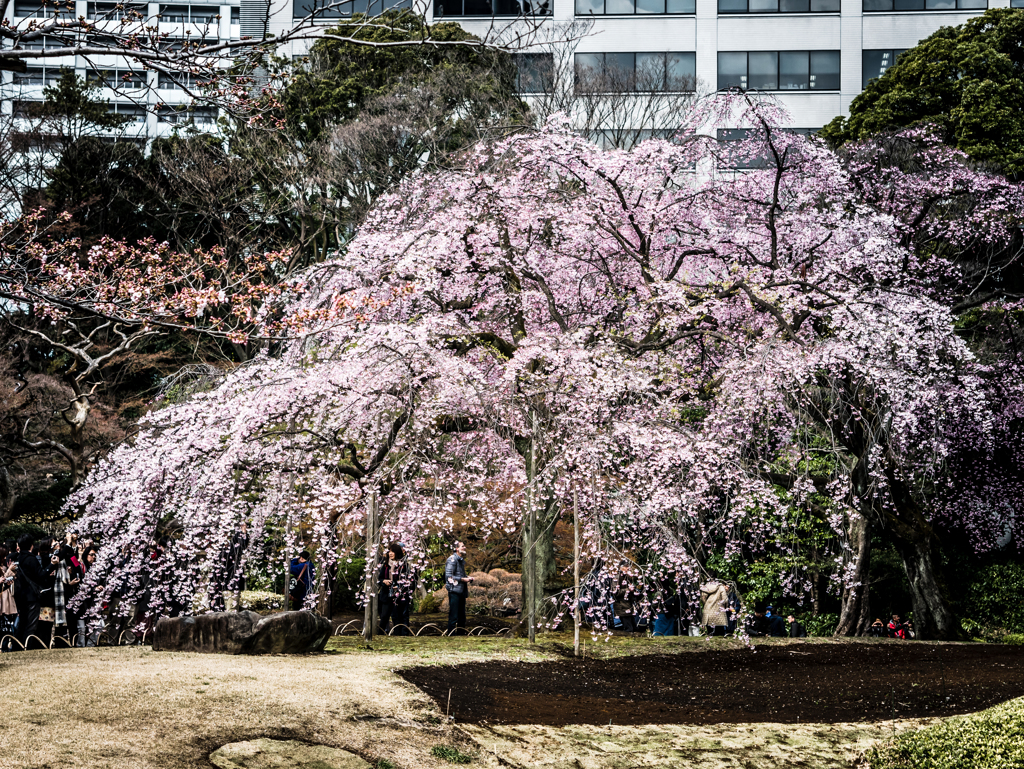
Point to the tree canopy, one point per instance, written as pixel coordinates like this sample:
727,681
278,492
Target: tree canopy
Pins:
967,79
702,360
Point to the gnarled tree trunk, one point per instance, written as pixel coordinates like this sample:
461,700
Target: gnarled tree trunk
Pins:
855,617
932,617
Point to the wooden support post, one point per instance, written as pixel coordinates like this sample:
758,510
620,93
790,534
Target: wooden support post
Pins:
576,568
370,610
532,526
287,561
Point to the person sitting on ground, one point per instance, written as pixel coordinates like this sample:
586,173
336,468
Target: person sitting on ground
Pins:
757,626
896,628
796,630
777,625
877,629
302,570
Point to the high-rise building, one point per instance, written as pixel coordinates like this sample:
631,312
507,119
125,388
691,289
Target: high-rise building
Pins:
156,102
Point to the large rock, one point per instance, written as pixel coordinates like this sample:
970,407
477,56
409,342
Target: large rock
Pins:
284,754
243,632
221,632
288,632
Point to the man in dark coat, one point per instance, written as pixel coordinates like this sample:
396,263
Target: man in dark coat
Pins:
457,583
31,580
796,630
777,626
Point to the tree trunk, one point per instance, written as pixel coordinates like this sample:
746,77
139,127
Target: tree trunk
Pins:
932,617
6,495
542,552
855,617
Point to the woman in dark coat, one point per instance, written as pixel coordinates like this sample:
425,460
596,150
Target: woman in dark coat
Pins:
394,591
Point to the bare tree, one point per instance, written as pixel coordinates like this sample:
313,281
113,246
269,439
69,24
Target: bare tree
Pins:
616,100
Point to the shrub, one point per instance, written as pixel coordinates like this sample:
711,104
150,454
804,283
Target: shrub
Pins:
987,597
821,625
15,530
483,579
261,600
450,754
428,604
993,739
349,584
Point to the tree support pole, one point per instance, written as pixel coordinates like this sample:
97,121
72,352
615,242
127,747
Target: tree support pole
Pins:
576,568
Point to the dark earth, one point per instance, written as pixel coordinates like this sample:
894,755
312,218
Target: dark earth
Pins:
819,683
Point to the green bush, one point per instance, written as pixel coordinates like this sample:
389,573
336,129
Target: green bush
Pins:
349,584
261,600
428,604
15,530
993,739
823,625
988,597
450,754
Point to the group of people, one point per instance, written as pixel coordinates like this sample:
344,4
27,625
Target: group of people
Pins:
896,628
770,624
38,580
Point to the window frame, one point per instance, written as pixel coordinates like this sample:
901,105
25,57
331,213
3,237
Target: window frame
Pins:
604,68
580,9
811,71
778,10
959,6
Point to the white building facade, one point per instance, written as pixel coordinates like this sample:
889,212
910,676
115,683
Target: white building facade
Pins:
814,55
156,103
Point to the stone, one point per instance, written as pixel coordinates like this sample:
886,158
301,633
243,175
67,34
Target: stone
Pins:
284,754
288,632
243,632
221,632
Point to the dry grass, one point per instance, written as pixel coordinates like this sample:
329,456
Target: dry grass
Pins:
131,707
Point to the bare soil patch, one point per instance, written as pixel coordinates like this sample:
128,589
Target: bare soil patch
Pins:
793,683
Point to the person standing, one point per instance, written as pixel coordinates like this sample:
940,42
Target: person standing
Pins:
302,572
392,590
8,609
457,584
31,580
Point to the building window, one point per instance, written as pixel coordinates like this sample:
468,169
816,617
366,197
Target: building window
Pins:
1017,3
136,112
37,76
182,115
925,5
779,6
26,109
492,8
779,70
46,41
116,10
120,79
876,62
617,72
535,72
634,7
176,81
29,9
345,8
747,162
236,14
185,14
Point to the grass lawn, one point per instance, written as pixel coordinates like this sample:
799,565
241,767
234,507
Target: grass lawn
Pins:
132,707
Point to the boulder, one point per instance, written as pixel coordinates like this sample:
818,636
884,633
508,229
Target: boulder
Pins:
220,632
243,632
288,632
284,754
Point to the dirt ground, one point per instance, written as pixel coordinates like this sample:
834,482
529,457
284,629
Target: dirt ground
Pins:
824,683
132,707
